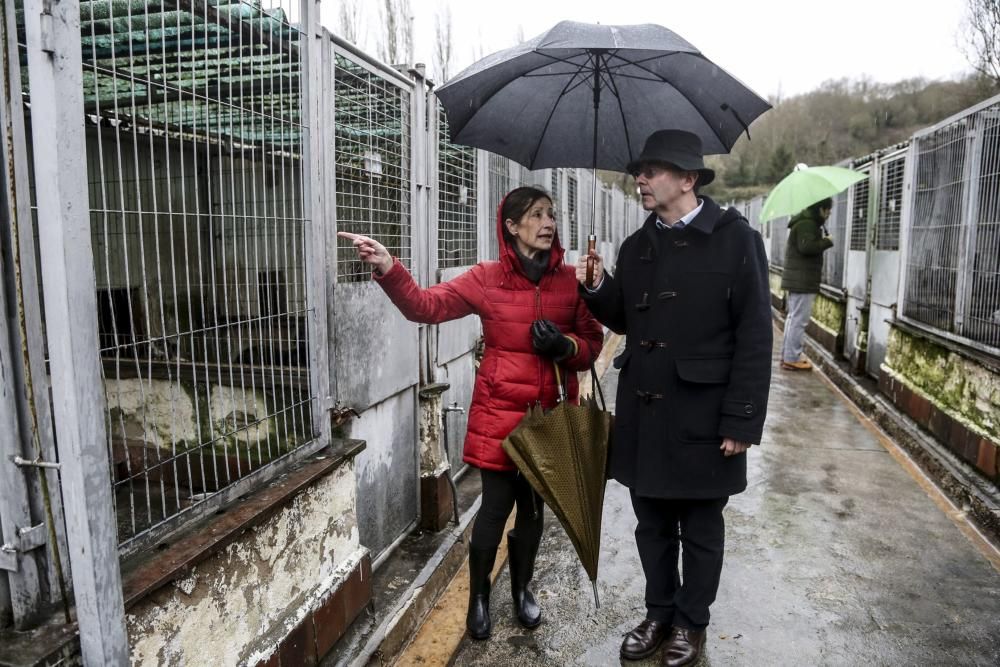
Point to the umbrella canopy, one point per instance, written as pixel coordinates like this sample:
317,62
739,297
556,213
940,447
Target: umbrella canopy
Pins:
804,187
583,95
563,454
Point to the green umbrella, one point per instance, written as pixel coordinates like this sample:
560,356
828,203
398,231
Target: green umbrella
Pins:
804,187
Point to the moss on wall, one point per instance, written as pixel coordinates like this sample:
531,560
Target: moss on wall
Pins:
965,389
829,314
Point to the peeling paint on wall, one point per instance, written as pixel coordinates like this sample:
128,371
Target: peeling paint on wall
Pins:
235,606
432,459
967,391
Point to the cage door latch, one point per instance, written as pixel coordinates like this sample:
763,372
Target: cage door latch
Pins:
25,539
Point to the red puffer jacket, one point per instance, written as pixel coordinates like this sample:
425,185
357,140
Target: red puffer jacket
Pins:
512,376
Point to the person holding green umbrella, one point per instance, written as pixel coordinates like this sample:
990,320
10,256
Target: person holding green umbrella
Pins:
805,194
807,241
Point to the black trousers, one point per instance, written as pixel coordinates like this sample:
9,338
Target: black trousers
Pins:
501,490
665,526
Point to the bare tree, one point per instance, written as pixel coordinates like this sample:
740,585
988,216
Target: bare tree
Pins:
349,19
388,47
443,43
981,37
396,43
405,29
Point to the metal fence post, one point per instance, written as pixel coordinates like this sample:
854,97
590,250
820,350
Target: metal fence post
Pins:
969,228
55,68
25,322
23,572
320,270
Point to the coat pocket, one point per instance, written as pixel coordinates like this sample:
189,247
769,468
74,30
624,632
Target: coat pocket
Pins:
697,403
704,371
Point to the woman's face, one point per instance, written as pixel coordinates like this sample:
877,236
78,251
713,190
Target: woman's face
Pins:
536,230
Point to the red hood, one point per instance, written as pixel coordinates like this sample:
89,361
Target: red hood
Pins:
508,256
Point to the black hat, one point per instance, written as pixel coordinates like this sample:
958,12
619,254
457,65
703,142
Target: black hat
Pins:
679,148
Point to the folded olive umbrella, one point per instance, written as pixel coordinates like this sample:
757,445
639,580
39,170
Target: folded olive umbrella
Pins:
563,453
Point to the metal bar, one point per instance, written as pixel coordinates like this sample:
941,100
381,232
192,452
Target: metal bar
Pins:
55,68
35,463
326,135
35,407
320,233
24,577
370,63
485,222
23,584
967,225
906,225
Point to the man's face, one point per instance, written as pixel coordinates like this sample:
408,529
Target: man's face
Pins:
660,186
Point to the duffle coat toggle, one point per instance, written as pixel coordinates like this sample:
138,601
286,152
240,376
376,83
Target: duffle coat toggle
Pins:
648,396
644,304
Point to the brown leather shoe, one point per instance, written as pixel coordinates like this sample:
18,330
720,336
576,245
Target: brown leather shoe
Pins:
684,647
800,365
644,639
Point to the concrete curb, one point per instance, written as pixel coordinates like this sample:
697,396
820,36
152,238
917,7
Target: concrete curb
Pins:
398,627
962,486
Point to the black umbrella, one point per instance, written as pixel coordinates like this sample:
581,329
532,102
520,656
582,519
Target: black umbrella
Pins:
583,95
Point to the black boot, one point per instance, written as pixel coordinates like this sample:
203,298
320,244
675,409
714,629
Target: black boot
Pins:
521,555
478,618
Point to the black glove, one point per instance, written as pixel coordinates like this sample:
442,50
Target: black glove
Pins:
548,341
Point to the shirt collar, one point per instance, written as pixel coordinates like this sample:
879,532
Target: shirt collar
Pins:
691,215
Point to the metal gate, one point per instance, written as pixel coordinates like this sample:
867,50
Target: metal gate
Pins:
856,266
888,203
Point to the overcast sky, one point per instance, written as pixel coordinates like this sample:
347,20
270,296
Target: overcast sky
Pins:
786,46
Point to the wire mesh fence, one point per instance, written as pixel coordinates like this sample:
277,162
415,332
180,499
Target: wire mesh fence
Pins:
194,131
952,278
572,211
935,233
834,258
982,317
779,237
890,202
372,128
457,202
605,213
858,199
498,171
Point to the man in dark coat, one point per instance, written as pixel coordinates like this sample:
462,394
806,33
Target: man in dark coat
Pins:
690,292
800,278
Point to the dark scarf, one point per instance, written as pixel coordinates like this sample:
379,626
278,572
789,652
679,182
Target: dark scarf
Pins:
534,269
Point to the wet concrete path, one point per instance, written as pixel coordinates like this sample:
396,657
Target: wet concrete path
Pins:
835,555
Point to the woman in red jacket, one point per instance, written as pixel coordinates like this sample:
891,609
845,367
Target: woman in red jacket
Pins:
532,316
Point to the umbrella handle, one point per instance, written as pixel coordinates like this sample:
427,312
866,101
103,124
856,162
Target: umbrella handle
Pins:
591,246
559,383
